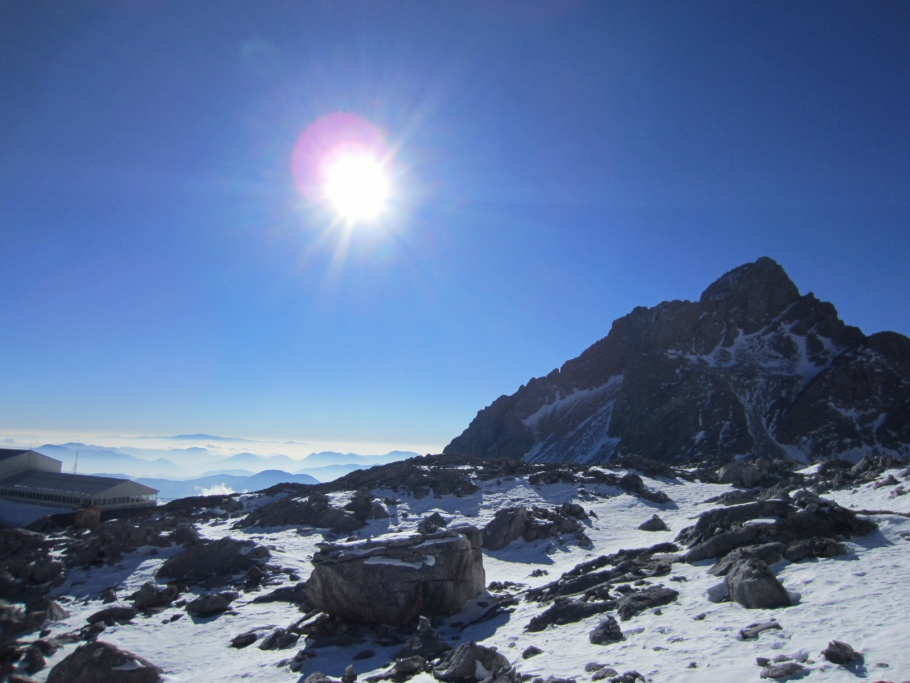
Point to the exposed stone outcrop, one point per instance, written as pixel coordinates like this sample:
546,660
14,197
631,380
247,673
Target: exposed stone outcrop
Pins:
215,559
753,367
100,662
721,530
316,511
395,580
531,524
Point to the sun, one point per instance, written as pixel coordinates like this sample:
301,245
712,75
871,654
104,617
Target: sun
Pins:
356,185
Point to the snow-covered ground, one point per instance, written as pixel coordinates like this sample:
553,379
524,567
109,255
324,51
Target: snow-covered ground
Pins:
861,598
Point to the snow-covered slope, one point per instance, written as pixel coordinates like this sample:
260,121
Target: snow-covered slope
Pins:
860,597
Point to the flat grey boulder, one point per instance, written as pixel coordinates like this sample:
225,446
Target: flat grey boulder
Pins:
653,524
752,584
784,671
100,662
394,579
210,604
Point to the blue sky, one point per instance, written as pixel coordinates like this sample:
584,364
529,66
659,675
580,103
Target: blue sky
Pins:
557,164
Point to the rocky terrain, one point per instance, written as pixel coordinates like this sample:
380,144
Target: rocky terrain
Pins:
448,568
751,369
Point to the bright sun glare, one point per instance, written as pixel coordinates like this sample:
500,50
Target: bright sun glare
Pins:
357,186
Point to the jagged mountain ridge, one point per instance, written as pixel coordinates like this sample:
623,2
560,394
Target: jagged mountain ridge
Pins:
753,368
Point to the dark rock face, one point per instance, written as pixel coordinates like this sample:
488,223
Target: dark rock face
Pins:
722,530
753,585
752,368
315,511
531,524
100,662
222,558
393,581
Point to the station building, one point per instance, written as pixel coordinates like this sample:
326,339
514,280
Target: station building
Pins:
27,476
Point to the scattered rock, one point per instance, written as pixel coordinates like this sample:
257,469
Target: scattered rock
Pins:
427,643
565,611
752,584
607,631
279,639
751,631
653,524
769,553
784,670
432,523
471,662
638,601
210,604
805,548
151,595
100,662
244,639
295,594
839,652
116,614
531,651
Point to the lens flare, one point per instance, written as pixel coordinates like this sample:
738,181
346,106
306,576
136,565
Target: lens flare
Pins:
342,163
357,186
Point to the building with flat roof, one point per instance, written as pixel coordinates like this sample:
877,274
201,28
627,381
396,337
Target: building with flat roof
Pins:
29,477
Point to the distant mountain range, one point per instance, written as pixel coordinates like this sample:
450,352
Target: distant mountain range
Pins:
169,489
753,368
200,470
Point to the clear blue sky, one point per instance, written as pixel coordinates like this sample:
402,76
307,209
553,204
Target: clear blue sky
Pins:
558,164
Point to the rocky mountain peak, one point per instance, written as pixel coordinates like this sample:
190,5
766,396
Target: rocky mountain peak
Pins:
753,368
751,295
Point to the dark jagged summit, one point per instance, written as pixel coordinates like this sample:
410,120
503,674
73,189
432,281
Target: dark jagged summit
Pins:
753,368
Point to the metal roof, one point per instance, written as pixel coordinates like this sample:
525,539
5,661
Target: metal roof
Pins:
60,482
6,453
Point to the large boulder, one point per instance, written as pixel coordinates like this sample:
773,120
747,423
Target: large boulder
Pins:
100,662
396,579
753,585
